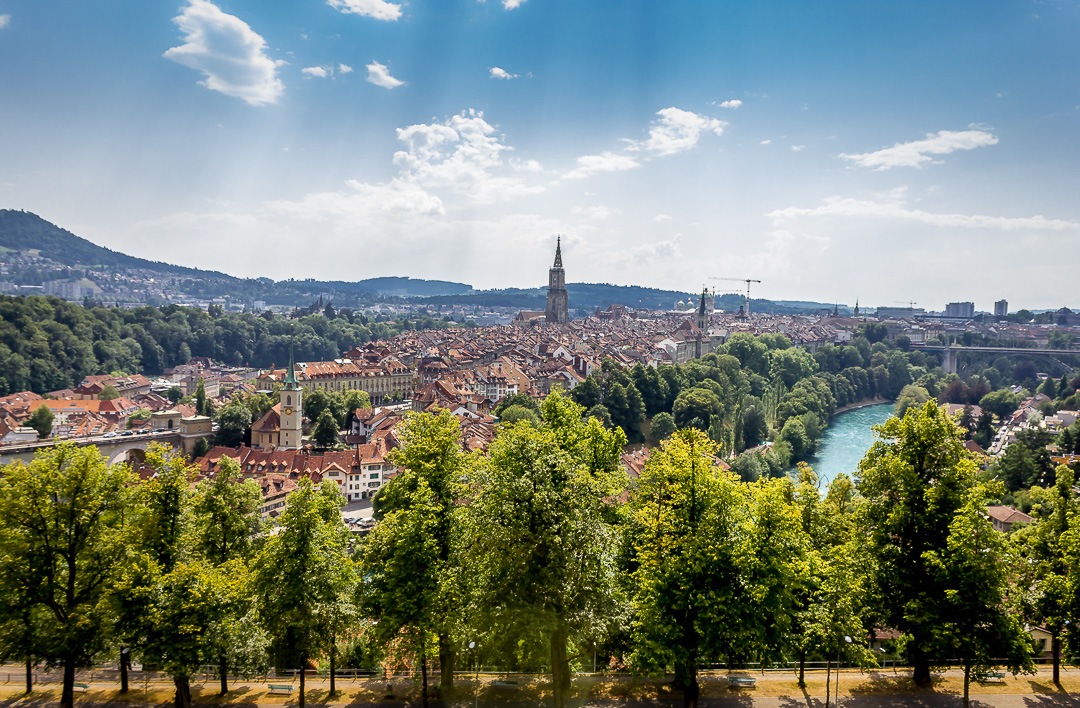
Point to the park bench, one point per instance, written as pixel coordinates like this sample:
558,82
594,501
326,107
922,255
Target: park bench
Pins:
279,688
742,681
84,687
994,677
504,683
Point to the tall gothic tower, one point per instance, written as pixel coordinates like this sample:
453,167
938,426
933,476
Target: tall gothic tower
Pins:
558,302
292,410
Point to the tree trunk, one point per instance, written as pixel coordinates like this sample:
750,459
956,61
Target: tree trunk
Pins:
692,689
921,672
560,667
828,678
802,669
124,669
447,660
29,674
333,657
223,673
67,697
1055,648
183,692
967,679
303,673
423,670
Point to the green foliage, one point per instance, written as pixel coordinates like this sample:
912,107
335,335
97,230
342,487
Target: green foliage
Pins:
108,393
41,420
523,400
233,421
517,413
325,433
61,546
911,396
663,426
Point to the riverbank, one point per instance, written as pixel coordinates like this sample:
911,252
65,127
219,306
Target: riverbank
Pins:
875,401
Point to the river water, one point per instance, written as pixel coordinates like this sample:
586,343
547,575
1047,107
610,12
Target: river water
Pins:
845,442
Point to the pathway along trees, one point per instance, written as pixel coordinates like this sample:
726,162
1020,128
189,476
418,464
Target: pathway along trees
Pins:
920,487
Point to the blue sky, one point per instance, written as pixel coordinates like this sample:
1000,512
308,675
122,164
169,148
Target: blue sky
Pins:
921,151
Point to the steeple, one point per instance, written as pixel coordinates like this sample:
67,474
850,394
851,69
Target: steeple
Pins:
290,373
558,301
558,252
856,307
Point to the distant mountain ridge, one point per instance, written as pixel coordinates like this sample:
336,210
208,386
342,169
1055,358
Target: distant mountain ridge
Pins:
26,232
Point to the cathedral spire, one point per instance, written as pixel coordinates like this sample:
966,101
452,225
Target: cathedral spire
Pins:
558,252
290,373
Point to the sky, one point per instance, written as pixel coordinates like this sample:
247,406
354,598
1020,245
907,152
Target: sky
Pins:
837,151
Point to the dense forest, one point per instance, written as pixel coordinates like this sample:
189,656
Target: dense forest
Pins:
47,344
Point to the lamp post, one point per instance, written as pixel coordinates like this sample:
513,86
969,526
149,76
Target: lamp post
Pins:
837,690
476,667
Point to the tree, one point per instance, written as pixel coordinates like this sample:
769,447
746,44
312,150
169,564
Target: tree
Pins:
517,413
972,622
108,393
1001,403
41,420
325,433
233,421
200,397
226,522
174,394
663,426
321,400
916,479
302,574
354,400
412,562
911,396
515,399
540,536
61,545
696,407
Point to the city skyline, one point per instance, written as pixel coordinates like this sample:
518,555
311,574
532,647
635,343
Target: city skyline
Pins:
855,151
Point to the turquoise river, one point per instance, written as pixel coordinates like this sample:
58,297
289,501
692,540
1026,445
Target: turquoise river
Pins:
846,441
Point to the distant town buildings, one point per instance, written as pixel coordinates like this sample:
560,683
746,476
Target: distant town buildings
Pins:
1001,308
960,310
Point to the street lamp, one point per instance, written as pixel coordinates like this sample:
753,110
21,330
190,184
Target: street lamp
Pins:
837,694
476,666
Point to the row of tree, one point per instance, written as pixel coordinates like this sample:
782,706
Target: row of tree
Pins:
536,554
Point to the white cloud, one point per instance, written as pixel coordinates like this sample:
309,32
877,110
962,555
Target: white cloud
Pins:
378,9
379,75
733,103
604,162
660,218
918,152
766,142
596,213
892,207
676,131
5,20
657,250
345,68
798,148
317,71
511,4
228,52
498,73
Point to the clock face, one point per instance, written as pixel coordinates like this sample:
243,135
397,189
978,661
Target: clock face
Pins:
288,411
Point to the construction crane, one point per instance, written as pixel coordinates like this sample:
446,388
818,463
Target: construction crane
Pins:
741,280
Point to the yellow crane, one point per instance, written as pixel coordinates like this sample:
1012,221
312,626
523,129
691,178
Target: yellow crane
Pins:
746,309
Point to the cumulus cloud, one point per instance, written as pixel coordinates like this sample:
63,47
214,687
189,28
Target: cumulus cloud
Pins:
497,73
228,52
377,9
919,152
893,207
345,68
660,218
676,131
604,162
5,20
511,4
657,250
798,148
320,72
733,103
379,75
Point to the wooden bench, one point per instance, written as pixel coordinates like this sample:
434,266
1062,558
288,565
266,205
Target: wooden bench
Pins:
742,681
994,677
504,683
279,688
84,687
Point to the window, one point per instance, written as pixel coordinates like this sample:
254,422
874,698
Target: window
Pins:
374,475
288,400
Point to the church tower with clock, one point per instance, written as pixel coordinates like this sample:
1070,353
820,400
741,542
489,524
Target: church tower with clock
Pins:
292,410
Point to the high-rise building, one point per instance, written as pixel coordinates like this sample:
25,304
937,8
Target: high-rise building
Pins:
558,302
962,310
1001,308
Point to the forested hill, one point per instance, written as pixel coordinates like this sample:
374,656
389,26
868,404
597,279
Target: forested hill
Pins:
47,344
24,232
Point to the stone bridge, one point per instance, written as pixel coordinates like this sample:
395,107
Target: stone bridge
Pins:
122,448
958,360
